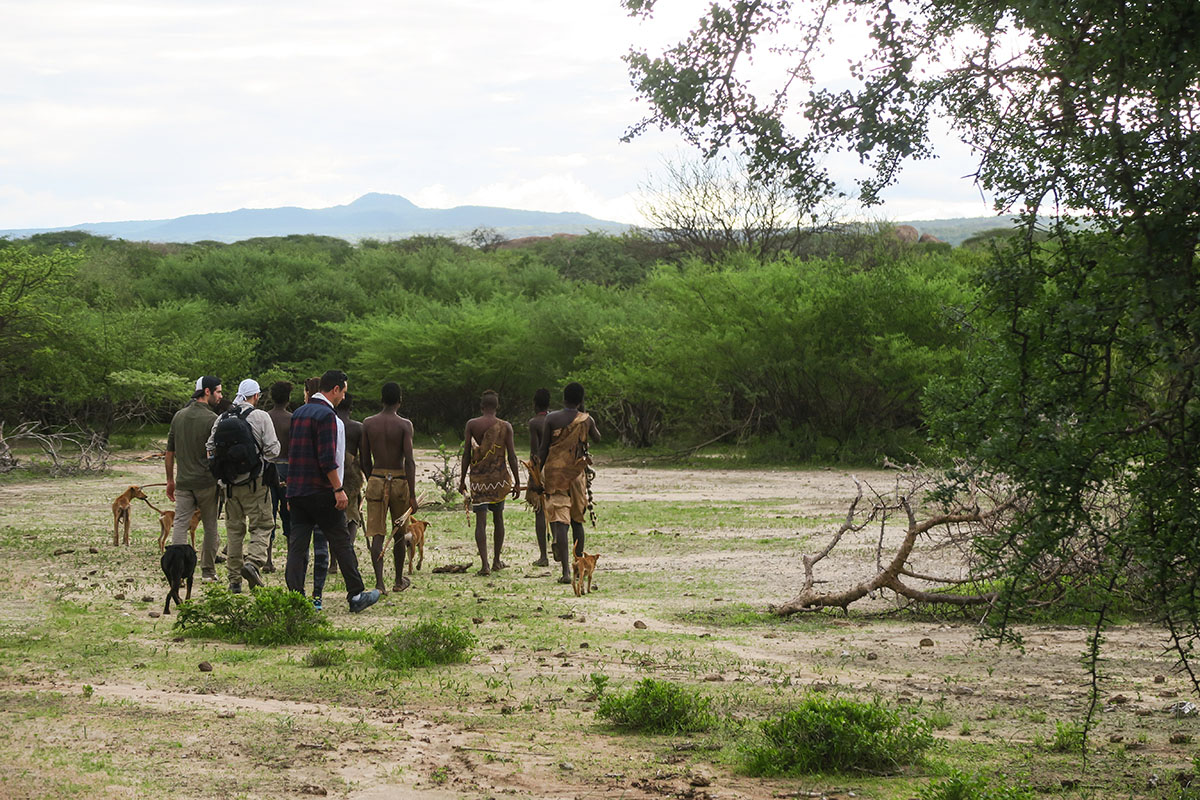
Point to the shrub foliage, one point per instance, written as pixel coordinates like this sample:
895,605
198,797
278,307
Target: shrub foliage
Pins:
829,734
425,644
655,706
266,616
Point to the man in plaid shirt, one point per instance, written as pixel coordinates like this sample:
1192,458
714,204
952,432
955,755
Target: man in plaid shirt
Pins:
316,456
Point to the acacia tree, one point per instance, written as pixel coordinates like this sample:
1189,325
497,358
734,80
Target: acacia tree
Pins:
1084,385
709,207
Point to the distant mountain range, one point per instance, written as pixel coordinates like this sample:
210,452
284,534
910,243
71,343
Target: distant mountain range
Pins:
374,215
390,216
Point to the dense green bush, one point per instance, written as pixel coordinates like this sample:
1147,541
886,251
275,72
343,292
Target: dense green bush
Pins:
829,734
655,706
424,645
266,616
821,354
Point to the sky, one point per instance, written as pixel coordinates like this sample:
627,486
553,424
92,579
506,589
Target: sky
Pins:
152,109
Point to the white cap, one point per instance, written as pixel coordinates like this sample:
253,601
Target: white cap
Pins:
246,389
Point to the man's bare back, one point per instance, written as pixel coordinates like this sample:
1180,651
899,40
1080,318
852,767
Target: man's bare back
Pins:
387,443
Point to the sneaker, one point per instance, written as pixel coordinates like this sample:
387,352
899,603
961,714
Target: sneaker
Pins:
235,587
250,573
208,578
363,600
316,603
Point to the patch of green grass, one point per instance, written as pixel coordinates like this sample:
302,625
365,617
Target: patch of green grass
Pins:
425,644
267,616
1068,738
655,706
325,656
830,734
961,786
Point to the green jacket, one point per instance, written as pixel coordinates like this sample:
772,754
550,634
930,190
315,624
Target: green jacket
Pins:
190,428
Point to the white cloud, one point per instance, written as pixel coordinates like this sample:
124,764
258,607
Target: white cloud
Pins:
147,109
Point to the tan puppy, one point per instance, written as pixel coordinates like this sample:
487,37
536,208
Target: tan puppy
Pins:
166,520
414,541
120,510
585,565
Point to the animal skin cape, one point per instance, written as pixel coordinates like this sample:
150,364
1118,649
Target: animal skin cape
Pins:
567,458
490,478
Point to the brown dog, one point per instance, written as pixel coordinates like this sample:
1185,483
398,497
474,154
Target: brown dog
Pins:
166,520
414,541
585,565
120,509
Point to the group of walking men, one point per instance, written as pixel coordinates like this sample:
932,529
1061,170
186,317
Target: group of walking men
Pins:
559,466
318,465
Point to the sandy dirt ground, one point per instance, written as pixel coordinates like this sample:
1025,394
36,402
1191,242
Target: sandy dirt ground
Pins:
904,660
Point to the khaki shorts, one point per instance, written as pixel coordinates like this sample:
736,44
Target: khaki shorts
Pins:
386,492
569,507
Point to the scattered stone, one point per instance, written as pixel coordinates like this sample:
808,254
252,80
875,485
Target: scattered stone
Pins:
477,620
561,654
1182,709
205,666
226,714
1181,738
119,596
1160,678
962,691
699,778
567,766
1116,738
641,626
179,639
926,642
63,551
1069,783
584,645
318,791
714,677
445,568
147,598
93,550
872,656
581,619
706,636
155,615
1168,694
1185,778
1118,700
568,615
496,648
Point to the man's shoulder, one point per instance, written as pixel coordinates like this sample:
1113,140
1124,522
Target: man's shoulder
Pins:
310,410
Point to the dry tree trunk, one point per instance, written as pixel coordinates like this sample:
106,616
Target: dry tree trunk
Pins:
952,527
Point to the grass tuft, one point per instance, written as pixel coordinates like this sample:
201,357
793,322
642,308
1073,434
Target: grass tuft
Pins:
655,706
267,616
829,734
960,786
325,656
425,644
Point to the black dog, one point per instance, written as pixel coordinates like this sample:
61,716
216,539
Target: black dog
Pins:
178,563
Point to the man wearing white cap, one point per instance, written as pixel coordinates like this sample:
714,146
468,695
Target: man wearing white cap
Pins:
190,485
249,498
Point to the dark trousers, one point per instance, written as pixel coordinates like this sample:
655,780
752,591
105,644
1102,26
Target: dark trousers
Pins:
320,509
279,507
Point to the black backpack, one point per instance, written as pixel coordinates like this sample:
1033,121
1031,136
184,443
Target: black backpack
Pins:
235,450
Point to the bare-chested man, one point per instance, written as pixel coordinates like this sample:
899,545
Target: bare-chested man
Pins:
533,493
487,440
387,461
353,477
565,460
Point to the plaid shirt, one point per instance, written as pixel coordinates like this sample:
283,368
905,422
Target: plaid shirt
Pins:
313,449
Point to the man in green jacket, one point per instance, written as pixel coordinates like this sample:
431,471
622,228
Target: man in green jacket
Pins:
195,487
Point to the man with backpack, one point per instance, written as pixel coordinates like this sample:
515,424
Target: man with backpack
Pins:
242,439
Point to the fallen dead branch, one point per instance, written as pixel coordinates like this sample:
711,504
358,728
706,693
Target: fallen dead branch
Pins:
70,451
983,506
